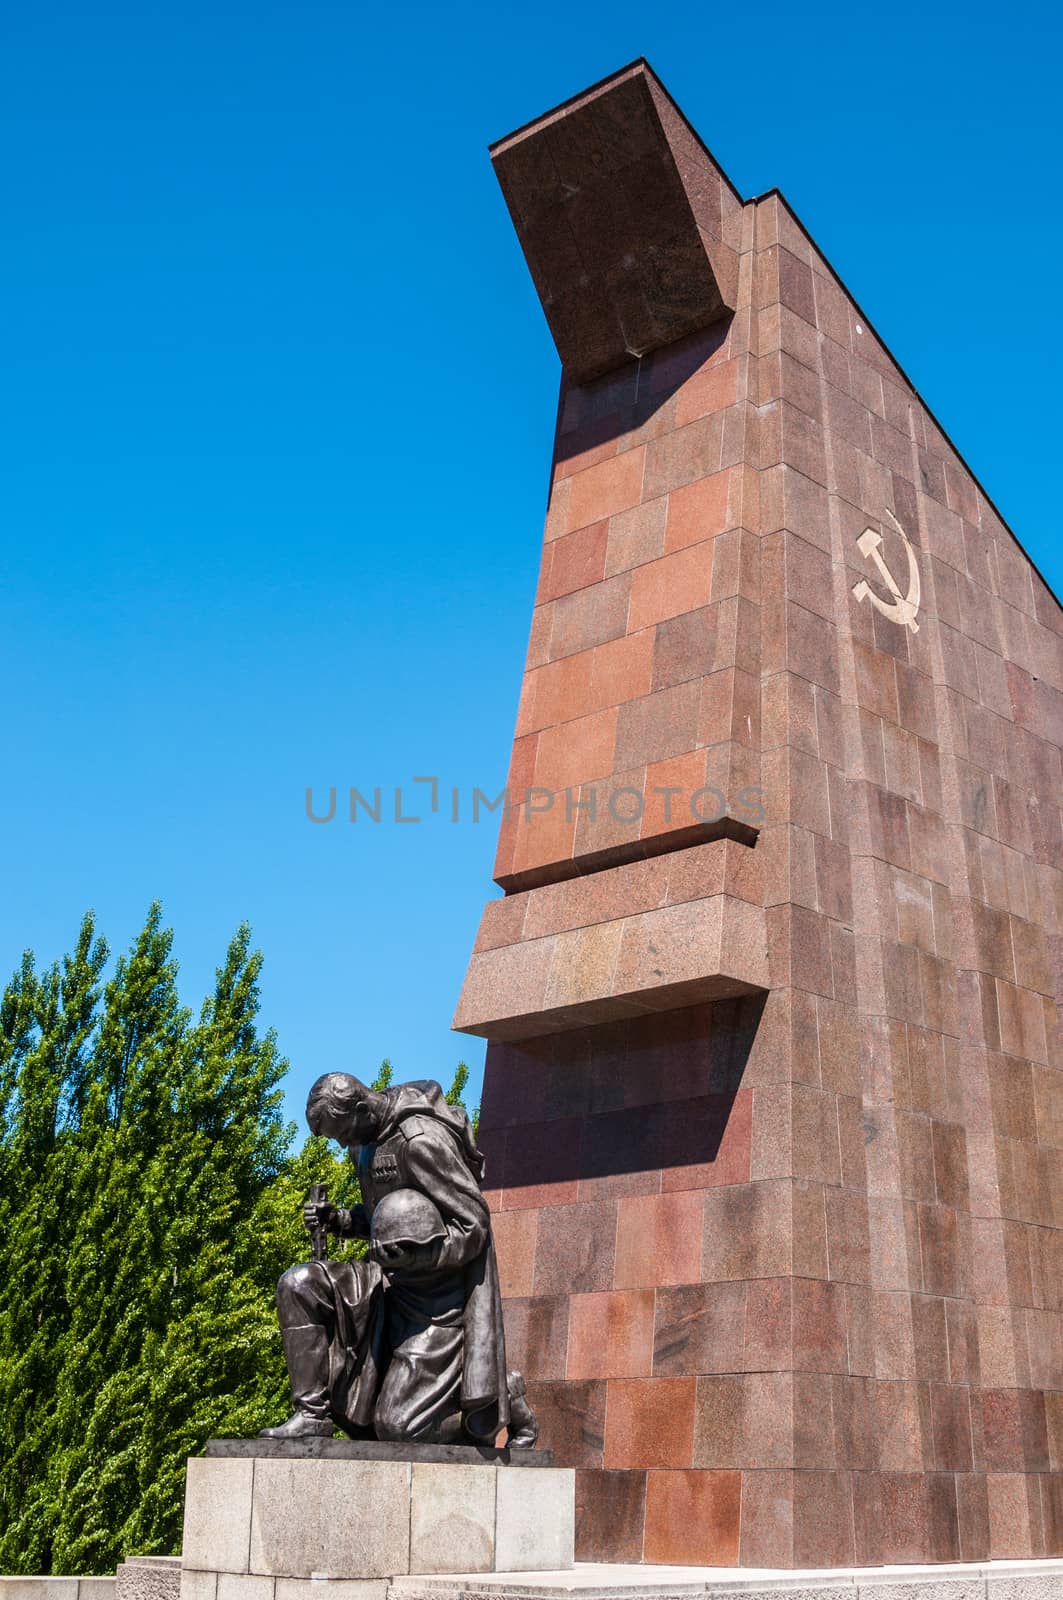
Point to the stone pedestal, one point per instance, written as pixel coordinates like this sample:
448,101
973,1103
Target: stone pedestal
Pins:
292,1522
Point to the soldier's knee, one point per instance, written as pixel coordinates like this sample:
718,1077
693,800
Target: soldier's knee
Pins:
389,1425
301,1287
393,1417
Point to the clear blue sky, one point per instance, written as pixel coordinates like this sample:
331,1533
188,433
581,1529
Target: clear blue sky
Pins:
276,410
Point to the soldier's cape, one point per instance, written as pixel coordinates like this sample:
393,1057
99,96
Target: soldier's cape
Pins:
423,1098
413,1109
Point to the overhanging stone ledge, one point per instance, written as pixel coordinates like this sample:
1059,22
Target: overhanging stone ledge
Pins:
655,960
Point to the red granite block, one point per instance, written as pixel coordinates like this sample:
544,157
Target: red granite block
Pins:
681,581
768,1340
602,490
657,726
658,1240
507,1071
611,1335
903,1511
693,1518
823,1519
650,1422
573,562
945,1248
700,1328
609,811
575,1252
536,1335
671,786
972,1508
610,1515
1052,1515
575,752
898,1426
515,1235
950,1411
767,1538
621,1153
585,446
813,1422
1006,1426
747,1232
688,646
711,389
815,1134
542,1165
799,949
545,834
810,1257
819,1326
707,1141
961,1327
745,1420
684,455
848,1239
942,1517
698,511
636,536
571,1421
1009,1517
589,617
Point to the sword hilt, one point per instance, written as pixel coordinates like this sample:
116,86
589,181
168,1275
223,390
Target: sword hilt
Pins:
319,1233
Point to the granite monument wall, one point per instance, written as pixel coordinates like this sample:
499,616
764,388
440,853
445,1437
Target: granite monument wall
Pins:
773,1105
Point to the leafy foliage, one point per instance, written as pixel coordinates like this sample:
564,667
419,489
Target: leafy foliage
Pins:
150,1198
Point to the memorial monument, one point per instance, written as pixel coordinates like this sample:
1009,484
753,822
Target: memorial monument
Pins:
773,1107
403,1352
407,1344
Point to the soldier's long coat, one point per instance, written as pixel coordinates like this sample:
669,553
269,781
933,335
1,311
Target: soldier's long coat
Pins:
410,1353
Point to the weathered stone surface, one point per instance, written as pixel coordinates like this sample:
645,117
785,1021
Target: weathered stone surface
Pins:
338,1519
596,192
330,1589
197,1585
536,1516
217,1525
706,949
452,1520
43,1588
244,1586
148,1578
621,1581
341,1521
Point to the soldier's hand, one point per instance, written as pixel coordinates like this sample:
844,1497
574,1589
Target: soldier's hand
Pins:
405,1257
319,1214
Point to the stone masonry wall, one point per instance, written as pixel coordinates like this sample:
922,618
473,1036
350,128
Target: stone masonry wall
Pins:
785,1271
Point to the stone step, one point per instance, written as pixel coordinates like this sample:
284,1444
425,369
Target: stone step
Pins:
148,1578
56,1587
983,1580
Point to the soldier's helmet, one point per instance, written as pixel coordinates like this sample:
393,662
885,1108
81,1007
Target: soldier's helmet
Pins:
405,1216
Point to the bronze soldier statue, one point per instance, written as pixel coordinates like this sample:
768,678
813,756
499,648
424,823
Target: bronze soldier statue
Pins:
408,1343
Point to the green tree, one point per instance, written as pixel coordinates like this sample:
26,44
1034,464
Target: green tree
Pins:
150,1197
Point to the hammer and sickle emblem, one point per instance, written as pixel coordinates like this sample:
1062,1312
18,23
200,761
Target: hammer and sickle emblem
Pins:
905,607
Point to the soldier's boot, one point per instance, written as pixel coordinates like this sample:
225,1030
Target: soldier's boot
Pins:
523,1423
306,1350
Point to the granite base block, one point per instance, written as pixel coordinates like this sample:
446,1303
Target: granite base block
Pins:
263,1527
